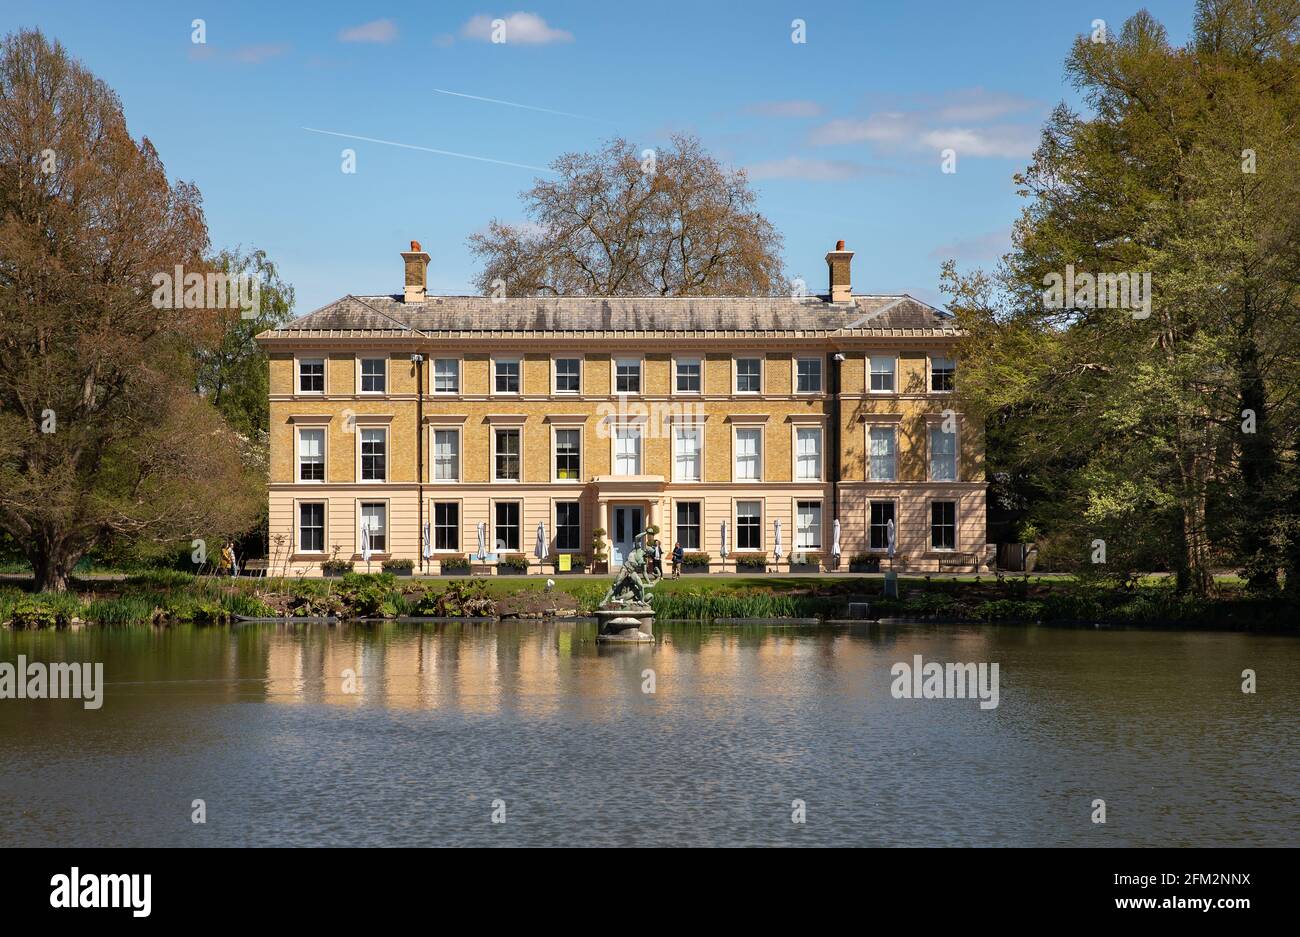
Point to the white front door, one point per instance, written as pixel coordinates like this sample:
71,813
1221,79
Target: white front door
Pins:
627,524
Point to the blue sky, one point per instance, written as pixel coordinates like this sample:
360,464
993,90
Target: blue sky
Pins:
842,134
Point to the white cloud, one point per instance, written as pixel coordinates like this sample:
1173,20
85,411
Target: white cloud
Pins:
374,31
811,170
521,28
972,105
786,109
888,127
1008,141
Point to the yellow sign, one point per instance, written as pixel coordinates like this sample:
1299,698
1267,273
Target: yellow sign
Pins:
566,562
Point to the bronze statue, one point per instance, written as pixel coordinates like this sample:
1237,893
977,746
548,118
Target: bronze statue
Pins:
634,581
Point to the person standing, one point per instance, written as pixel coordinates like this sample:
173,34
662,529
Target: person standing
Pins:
227,565
678,556
658,555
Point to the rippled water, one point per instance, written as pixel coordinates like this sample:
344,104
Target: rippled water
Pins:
448,719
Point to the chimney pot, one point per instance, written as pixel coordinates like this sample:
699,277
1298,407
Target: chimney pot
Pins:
839,245
415,245
416,262
839,264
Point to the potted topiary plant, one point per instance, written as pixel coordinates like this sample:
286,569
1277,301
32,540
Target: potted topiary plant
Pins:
864,563
696,562
599,557
399,567
457,564
512,564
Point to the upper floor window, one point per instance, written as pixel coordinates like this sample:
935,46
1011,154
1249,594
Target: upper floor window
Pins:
627,376
506,375
311,455
809,376
688,375
374,375
627,450
506,462
568,455
943,455
446,455
374,454
808,453
882,373
884,458
311,375
942,373
749,454
446,376
568,375
749,375
686,453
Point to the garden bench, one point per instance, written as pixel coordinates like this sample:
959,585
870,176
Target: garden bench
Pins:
955,560
254,568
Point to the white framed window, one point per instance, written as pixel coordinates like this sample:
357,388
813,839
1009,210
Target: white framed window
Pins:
882,515
568,454
808,453
567,375
749,525
506,455
568,526
627,450
943,455
311,375
373,375
808,375
748,446
943,525
311,454
507,526
627,375
884,454
446,526
808,525
688,526
373,441
749,375
688,375
374,518
507,375
311,527
884,369
687,451
943,372
446,455
446,376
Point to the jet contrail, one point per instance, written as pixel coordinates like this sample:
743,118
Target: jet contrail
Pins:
527,107
429,149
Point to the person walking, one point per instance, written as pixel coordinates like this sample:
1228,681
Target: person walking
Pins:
227,565
679,555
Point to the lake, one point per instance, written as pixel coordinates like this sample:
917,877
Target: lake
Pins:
445,727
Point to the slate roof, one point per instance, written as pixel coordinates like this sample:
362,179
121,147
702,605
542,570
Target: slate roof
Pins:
390,317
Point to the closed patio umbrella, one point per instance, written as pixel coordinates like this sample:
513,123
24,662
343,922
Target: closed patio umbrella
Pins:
428,542
482,537
365,545
776,549
540,550
835,541
889,532
724,540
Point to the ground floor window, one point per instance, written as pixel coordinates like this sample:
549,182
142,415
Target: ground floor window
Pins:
943,525
568,525
688,524
808,525
374,518
446,525
506,535
749,525
882,513
311,527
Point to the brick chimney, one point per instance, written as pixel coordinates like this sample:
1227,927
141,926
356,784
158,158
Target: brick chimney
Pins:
417,265
838,263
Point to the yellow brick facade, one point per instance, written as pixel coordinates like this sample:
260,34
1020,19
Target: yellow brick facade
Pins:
409,414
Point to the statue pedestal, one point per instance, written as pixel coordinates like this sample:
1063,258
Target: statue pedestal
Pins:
625,626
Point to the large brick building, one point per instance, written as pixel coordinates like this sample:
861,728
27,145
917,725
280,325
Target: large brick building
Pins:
709,417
